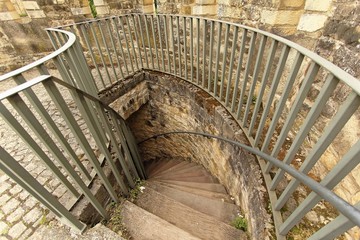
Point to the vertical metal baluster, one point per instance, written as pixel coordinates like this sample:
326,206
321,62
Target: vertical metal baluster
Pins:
185,48
87,76
148,40
204,53
137,39
246,74
217,59
211,54
120,46
67,115
198,51
76,71
255,75
59,62
305,86
113,142
265,78
179,45
341,170
160,41
93,124
305,128
233,49
289,83
123,143
238,70
114,47
86,38
173,44
335,228
100,51
191,50
223,69
40,109
130,141
143,41
17,127
22,177
99,23
24,111
132,41
344,113
126,42
154,39
167,43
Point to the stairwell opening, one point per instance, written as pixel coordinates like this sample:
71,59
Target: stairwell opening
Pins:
155,103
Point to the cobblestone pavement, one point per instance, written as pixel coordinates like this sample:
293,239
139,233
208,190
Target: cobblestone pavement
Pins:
21,214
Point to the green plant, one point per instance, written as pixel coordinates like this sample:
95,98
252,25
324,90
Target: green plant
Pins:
254,98
239,223
136,190
92,8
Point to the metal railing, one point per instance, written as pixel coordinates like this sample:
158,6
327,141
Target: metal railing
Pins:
263,80
266,82
70,131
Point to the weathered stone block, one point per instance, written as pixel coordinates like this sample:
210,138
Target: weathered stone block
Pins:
148,2
280,17
31,5
205,2
36,14
6,16
102,10
99,2
204,10
316,5
311,22
292,3
81,11
148,9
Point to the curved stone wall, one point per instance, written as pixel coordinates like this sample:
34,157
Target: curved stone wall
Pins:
177,105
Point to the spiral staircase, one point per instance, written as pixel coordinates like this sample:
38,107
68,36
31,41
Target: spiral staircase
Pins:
181,199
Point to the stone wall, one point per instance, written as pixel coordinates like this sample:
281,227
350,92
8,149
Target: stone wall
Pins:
177,105
22,24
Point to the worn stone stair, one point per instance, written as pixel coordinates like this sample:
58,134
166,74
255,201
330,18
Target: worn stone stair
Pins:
181,200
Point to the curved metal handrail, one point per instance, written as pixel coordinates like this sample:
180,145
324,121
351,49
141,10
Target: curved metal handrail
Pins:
344,207
71,40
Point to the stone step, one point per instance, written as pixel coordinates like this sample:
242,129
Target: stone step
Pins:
198,172
150,166
179,171
204,193
181,166
223,211
201,179
163,165
143,225
214,187
46,232
194,222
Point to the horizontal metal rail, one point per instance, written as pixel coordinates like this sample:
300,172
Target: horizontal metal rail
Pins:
44,111
351,212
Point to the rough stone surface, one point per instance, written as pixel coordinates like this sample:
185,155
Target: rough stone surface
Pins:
321,6
176,105
312,22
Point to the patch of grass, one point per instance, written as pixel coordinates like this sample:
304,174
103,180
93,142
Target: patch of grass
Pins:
239,223
44,220
254,98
